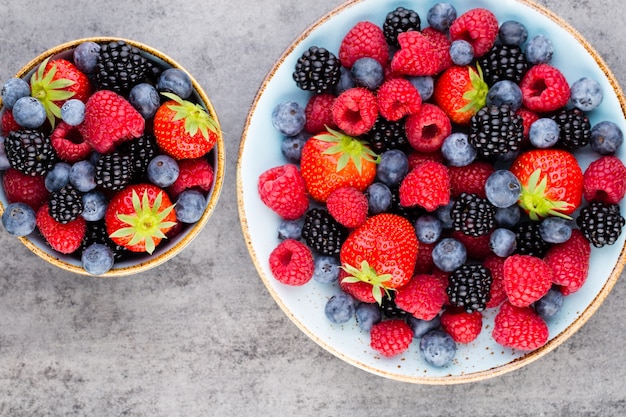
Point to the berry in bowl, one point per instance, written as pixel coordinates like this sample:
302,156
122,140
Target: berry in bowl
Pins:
112,157
434,192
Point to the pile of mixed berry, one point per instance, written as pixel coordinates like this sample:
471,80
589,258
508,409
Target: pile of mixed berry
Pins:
432,174
104,154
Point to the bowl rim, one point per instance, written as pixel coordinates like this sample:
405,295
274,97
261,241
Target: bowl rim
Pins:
219,168
515,364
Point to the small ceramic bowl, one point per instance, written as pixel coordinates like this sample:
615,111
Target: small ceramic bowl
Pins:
168,248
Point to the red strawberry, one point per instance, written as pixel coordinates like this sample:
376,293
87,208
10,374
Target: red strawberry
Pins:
24,188
291,262
477,26
282,189
519,328
355,111
319,113
8,123
361,291
604,180
348,206
427,186
332,160
544,89
418,55
69,144
365,39
381,253
495,264
552,182
569,262
397,98
526,279
391,337
64,238
428,128
460,92
110,120
184,130
470,179
423,296
193,173
462,326
138,217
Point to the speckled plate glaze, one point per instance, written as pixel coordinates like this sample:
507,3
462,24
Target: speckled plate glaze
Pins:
260,150
168,248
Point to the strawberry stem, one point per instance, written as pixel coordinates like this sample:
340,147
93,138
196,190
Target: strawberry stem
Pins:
368,275
534,200
349,148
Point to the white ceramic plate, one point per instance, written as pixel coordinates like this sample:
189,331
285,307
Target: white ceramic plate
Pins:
260,150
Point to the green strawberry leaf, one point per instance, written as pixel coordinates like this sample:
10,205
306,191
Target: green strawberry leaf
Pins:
535,201
349,148
194,115
368,275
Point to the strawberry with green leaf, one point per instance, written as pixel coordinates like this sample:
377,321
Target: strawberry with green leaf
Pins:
460,92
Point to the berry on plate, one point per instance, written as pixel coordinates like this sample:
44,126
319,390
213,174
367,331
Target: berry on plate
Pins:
427,186
526,279
391,337
282,189
461,92
62,237
291,262
519,328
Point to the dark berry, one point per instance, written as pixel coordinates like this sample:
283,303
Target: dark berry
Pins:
469,287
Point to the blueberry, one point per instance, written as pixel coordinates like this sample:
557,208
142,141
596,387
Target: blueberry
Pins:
586,94
539,50
505,92
83,176
449,254
555,229
425,85
19,219
58,176
367,315
190,206
145,99
73,112
606,137
393,167
441,16
288,118
174,80
379,197
550,304
163,170
502,188
4,160
502,242
544,133
437,348
94,205
367,72
290,229
461,52
513,33
340,308
13,90
443,213
29,112
421,327
291,147
428,228
97,259
326,269
346,81
86,57
457,150
508,216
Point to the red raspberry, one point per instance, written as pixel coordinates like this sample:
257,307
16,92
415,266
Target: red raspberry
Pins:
24,188
477,247
424,263
604,180
282,189
193,173
495,264
569,262
391,337
355,111
427,129
365,39
397,98
319,113
470,179
477,26
348,206
544,89
418,55
441,44
416,158
423,296
361,291
8,123
69,144
526,279
464,327
291,262
62,237
519,328
427,186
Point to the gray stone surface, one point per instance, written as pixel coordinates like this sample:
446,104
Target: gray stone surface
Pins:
200,335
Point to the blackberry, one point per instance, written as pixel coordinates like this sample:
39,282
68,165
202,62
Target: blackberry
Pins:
575,128
65,204
97,233
30,152
503,62
469,287
317,70
473,215
386,135
113,171
528,239
323,233
496,131
601,223
140,152
389,308
120,66
398,21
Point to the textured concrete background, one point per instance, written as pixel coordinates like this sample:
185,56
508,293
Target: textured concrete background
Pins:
201,336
